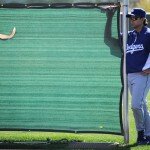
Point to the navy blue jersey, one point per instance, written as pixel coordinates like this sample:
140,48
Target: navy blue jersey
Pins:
138,50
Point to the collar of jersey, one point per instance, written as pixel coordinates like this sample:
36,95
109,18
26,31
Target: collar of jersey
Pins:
142,31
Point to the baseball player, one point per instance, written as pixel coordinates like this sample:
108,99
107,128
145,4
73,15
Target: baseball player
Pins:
138,68
5,37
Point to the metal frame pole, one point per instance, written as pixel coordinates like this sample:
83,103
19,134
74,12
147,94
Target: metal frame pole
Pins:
125,92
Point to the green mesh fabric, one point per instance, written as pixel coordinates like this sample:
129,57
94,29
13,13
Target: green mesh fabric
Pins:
57,73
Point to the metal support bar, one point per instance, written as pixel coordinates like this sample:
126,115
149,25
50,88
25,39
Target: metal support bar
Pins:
125,92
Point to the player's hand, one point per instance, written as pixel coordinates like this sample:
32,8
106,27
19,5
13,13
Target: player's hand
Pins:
110,13
145,72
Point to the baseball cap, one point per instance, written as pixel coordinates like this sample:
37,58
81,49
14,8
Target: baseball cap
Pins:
137,12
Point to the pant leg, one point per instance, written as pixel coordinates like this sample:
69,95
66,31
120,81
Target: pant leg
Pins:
146,112
138,85
146,120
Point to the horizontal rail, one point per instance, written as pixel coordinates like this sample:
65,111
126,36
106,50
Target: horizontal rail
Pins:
58,5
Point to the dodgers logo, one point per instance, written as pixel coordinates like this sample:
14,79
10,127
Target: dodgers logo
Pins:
133,48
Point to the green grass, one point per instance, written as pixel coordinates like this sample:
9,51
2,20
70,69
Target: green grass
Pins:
44,136
40,136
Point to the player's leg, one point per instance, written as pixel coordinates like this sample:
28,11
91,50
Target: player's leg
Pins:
137,84
146,112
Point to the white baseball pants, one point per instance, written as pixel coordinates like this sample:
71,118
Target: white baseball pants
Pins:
139,86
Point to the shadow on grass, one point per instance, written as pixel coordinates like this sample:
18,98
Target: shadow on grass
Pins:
63,144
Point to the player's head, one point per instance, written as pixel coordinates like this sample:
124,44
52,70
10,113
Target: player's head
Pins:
138,13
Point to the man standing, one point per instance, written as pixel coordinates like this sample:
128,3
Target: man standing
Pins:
138,70
138,67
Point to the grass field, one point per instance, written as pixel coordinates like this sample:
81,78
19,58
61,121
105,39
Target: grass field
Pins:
49,136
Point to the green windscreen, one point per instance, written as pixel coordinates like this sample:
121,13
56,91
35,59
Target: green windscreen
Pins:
57,73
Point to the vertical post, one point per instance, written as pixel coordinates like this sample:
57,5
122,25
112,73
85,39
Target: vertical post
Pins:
125,92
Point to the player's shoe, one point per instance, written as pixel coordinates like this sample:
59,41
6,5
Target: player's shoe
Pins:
148,139
141,139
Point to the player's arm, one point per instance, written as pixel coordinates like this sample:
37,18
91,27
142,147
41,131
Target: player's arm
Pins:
109,40
146,68
11,35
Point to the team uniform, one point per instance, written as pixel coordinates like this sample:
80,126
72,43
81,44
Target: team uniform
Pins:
137,60
138,50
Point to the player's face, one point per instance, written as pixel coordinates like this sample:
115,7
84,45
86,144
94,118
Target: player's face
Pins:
136,22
